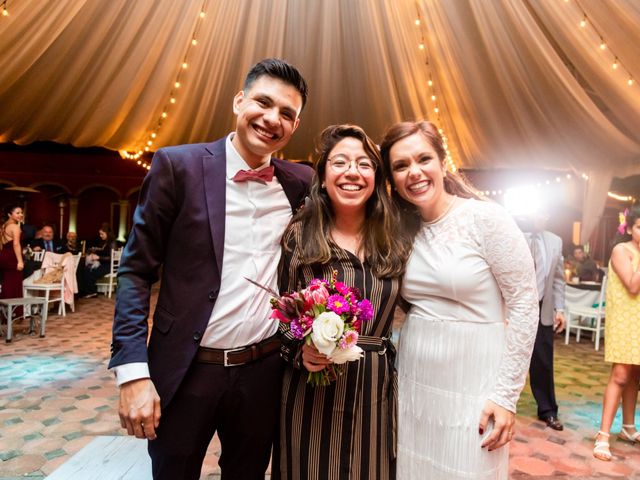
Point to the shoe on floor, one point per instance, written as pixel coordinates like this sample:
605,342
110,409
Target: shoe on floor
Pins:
90,295
553,422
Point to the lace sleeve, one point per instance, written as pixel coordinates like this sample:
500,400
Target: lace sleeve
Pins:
507,253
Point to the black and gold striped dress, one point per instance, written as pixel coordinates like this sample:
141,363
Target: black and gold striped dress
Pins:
345,430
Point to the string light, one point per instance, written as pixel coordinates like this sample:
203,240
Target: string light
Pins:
424,47
5,12
172,98
622,198
560,179
602,43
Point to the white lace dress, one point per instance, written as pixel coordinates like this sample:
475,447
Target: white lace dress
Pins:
469,272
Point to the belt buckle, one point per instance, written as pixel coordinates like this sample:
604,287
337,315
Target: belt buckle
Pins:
225,359
384,342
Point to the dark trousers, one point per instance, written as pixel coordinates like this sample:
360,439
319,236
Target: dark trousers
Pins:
541,372
240,403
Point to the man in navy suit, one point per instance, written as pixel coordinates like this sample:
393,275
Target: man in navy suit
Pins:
47,240
210,215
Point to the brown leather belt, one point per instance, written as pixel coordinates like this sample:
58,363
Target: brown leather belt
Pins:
238,356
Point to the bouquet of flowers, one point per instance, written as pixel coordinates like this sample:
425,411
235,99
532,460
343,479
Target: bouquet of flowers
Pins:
329,315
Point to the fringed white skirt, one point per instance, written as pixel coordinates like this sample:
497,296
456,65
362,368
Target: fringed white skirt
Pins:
446,371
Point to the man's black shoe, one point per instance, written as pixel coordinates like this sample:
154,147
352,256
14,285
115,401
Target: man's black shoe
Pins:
553,422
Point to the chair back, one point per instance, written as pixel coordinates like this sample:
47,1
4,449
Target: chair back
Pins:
76,261
38,256
116,255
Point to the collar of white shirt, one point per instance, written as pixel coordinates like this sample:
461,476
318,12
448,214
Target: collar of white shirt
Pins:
235,162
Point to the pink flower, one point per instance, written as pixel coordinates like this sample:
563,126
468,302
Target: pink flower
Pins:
363,310
306,321
296,329
348,340
316,294
342,289
278,315
338,304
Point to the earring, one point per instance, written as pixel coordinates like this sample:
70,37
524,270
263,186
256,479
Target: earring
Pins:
322,186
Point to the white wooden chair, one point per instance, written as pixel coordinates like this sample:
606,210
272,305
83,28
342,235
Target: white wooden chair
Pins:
589,318
38,256
30,287
109,282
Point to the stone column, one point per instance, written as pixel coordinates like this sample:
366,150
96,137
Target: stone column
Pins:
122,228
73,215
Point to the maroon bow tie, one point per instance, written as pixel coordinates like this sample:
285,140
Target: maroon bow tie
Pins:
263,176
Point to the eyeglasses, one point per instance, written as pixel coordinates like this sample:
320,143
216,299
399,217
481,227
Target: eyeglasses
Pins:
341,164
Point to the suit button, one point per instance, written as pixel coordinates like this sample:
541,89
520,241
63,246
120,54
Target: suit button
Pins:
212,295
197,336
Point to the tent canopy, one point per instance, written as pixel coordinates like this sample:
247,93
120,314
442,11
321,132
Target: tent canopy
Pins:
516,84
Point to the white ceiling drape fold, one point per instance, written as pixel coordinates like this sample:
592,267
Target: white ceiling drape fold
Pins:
520,84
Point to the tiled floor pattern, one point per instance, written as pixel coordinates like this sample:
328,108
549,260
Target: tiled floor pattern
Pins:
56,395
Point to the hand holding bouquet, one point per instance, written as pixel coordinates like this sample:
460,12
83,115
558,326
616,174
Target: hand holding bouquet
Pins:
328,315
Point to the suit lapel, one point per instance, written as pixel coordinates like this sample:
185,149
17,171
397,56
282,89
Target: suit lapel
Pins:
214,168
291,185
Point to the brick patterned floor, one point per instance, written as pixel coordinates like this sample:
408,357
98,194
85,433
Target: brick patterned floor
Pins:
56,395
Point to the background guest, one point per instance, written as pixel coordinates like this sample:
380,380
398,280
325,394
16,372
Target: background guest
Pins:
71,245
584,267
11,263
622,330
98,262
546,250
47,240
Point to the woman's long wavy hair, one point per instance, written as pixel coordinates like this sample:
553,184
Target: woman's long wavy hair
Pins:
385,251
454,183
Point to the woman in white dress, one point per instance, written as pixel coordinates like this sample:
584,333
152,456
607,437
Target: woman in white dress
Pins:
466,344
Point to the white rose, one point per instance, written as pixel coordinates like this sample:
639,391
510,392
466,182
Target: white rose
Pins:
340,356
327,330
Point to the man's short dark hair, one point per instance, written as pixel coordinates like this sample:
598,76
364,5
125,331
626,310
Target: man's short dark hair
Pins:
276,68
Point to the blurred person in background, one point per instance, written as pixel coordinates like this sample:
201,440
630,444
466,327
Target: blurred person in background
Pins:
622,330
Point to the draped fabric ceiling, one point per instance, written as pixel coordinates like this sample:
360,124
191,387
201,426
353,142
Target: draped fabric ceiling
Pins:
518,82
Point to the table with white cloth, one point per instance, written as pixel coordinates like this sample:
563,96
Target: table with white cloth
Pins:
583,295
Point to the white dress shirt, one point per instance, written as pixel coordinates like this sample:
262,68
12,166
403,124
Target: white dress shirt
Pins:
256,215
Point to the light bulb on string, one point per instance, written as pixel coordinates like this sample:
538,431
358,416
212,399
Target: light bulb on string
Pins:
185,65
615,64
421,46
603,45
177,84
583,22
194,42
154,135
630,81
417,22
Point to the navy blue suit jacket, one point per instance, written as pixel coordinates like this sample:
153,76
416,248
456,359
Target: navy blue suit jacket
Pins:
179,224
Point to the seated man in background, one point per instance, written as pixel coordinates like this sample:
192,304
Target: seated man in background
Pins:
71,245
584,267
47,241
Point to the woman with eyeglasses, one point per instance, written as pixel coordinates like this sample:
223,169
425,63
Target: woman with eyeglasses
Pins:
344,430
